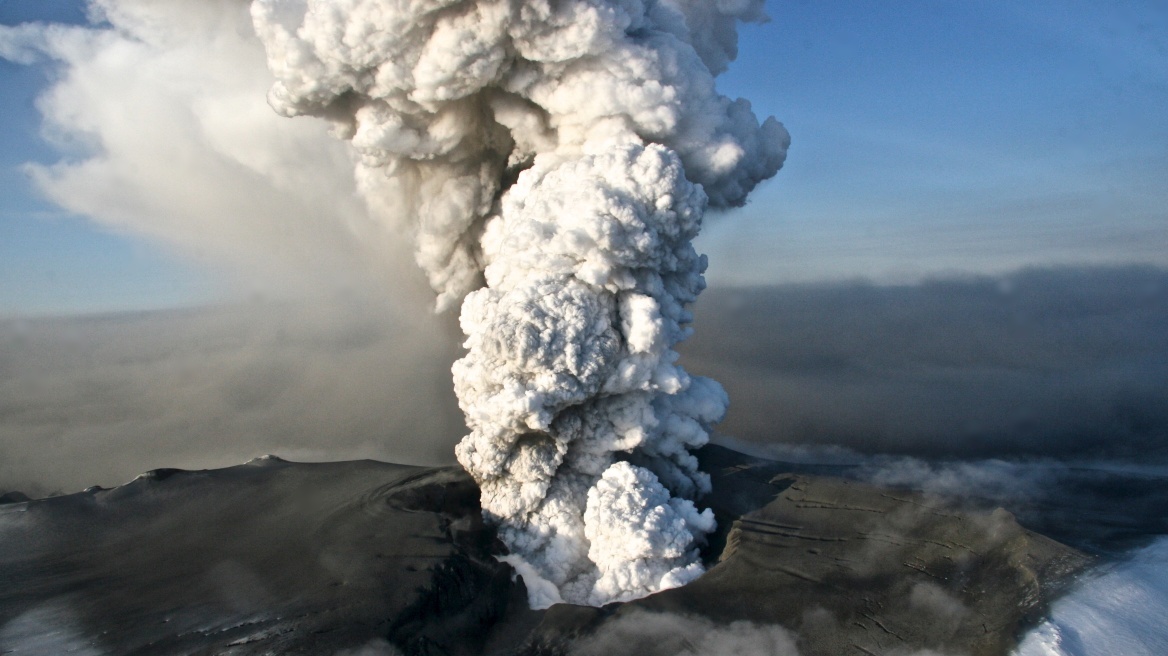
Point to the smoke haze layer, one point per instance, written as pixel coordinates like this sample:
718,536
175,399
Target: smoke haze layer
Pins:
1063,363
100,399
97,400
564,154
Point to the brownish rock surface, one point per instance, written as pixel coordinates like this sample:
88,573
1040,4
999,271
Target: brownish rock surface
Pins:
850,568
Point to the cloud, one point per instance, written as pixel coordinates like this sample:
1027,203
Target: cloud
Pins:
161,119
158,110
1045,362
642,632
674,634
99,399
26,43
1101,507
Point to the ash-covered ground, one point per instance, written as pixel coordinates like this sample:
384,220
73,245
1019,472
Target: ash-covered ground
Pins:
365,557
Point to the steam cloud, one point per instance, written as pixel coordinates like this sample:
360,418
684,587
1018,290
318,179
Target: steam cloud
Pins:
563,153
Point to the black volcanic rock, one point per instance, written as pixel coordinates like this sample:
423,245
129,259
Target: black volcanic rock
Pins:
286,558
15,496
268,557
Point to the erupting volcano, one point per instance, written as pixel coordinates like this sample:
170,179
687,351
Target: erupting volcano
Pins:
553,160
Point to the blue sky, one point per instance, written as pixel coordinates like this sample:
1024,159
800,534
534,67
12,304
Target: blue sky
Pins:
929,139
935,137
52,261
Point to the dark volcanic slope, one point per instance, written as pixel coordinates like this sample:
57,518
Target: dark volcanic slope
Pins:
849,568
267,557
280,558
856,569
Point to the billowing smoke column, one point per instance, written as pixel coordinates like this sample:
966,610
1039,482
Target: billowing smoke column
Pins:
562,152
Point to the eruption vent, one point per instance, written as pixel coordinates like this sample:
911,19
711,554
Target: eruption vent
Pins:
561,152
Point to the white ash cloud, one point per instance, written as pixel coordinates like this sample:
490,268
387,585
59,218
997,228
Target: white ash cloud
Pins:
158,111
652,633
562,154
446,100
643,632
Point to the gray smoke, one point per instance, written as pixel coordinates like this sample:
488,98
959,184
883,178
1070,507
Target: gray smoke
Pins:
97,400
1065,363
642,632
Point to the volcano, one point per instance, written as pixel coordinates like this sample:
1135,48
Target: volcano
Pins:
365,557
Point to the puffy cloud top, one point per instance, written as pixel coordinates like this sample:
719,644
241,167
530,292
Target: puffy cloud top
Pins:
466,93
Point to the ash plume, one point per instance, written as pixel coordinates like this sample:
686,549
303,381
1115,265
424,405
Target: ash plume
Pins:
556,159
